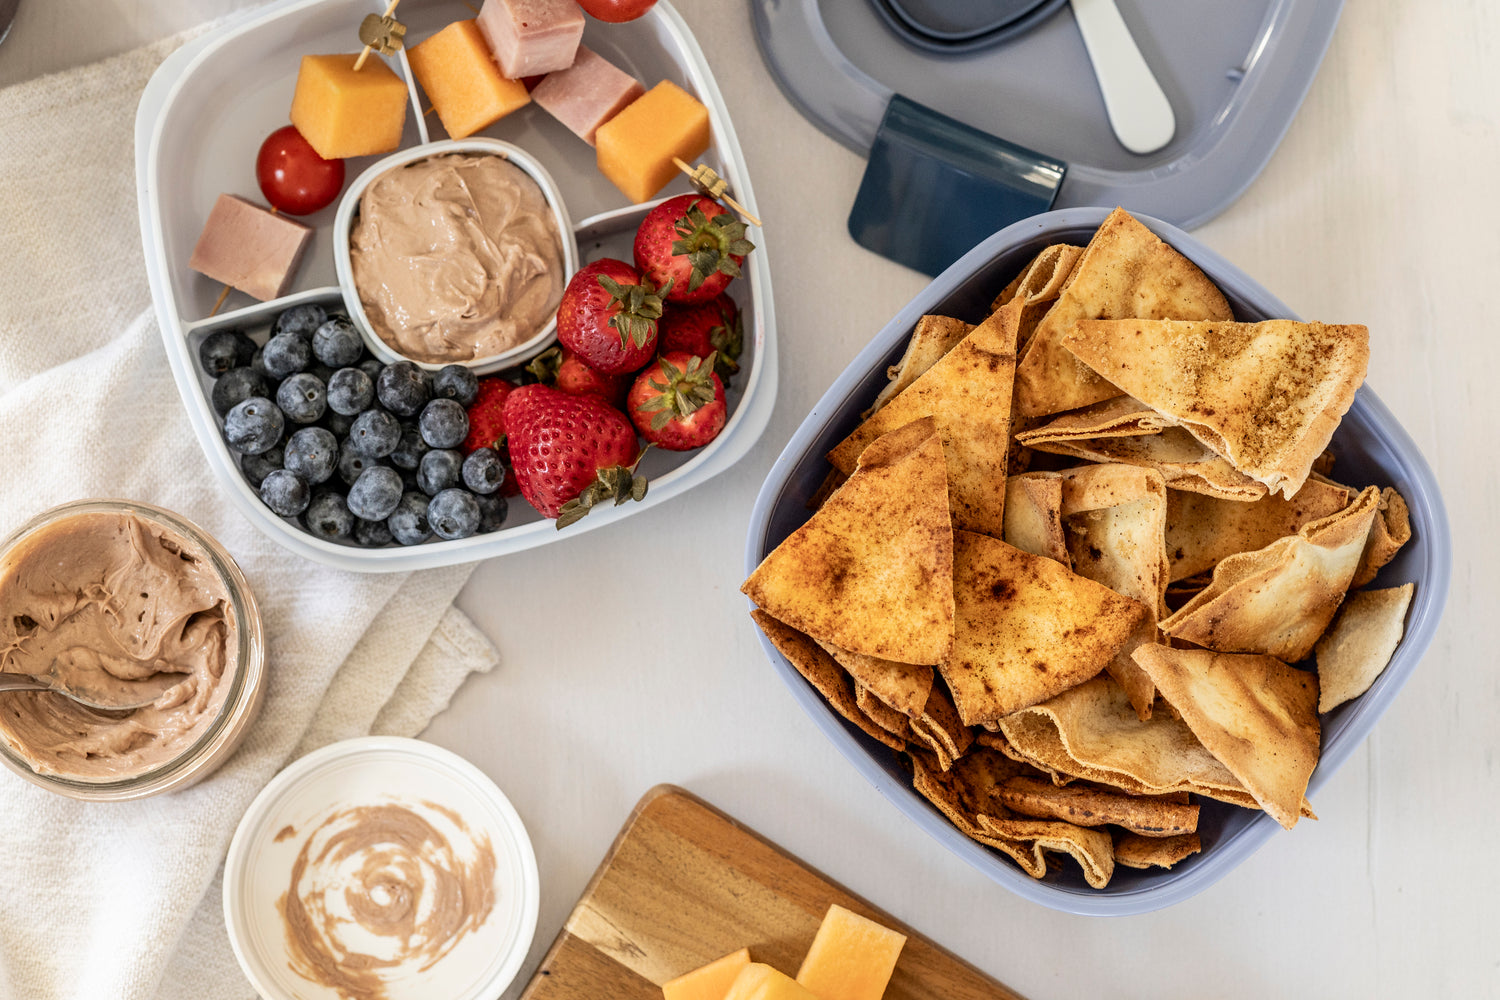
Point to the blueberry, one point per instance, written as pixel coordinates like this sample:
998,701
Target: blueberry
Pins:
375,493
402,388
286,354
336,343
492,511
235,386
350,391
338,423
375,434
328,516
409,452
223,350
285,493
313,454
439,470
371,367
453,514
483,472
352,464
408,522
253,426
456,382
322,371
372,534
443,424
409,481
302,397
300,320
257,467
258,362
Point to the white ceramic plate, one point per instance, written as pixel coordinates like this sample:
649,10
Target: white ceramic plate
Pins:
203,117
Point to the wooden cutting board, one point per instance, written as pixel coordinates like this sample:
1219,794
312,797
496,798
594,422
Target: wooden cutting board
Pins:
684,884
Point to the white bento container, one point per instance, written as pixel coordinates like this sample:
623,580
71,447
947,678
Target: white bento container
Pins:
204,115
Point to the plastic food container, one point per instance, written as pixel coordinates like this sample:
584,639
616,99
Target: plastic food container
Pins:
344,221
200,122
1371,446
246,687
308,802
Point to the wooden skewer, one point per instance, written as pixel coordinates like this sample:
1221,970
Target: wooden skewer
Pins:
716,187
360,62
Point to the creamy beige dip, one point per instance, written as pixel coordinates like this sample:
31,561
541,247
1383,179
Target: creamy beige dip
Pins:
106,601
456,257
378,892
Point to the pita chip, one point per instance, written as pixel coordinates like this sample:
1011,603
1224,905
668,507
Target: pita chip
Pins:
823,674
1266,396
933,337
940,728
1135,851
968,393
1391,530
1126,272
1026,628
1202,530
1257,715
887,718
1084,805
1114,519
1279,599
1359,645
872,570
905,687
1039,286
1033,515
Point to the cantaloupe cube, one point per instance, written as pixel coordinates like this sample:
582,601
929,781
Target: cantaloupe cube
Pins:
463,81
344,113
636,146
761,982
708,982
851,957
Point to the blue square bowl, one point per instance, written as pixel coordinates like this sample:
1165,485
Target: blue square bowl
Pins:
1371,449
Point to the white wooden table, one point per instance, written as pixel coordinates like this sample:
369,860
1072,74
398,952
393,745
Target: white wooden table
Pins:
1380,207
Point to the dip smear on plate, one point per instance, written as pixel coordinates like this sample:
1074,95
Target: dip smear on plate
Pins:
456,257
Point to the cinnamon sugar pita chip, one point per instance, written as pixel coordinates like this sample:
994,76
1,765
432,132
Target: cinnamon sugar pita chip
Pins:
887,718
1202,530
1085,805
1360,643
933,337
905,687
1134,851
1257,715
941,730
1033,515
1391,530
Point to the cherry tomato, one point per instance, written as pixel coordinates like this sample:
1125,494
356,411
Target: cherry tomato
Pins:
293,177
616,11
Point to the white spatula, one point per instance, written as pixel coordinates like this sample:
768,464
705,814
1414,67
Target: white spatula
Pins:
1138,110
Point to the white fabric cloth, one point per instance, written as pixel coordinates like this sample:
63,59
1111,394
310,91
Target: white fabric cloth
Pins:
121,900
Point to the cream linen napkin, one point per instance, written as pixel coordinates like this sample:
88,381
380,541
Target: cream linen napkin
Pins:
122,900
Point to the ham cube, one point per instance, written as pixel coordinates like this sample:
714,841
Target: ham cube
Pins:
250,248
587,94
531,37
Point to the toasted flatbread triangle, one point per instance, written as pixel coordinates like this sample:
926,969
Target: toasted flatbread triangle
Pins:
1277,600
905,687
1360,643
1257,715
1125,272
1391,530
932,337
1033,515
872,570
969,393
1026,628
1202,530
1266,396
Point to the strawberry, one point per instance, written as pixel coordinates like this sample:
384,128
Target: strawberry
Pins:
562,369
608,317
486,424
678,403
703,328
694,244
570,452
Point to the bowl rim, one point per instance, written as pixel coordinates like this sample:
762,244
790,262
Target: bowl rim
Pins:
343,225
1218,860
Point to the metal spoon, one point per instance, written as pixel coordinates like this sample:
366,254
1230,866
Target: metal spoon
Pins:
119,696
8,10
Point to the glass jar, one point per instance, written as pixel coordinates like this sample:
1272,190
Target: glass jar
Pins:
244,673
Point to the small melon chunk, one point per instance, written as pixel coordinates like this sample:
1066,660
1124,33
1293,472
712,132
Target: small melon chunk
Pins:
851,957
343,113
761,982
708,982
636,146
462,80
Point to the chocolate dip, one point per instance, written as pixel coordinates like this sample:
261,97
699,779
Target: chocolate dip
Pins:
378,891
102,600
456,257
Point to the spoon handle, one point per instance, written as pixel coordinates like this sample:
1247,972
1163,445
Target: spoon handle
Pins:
1138,109
21,682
